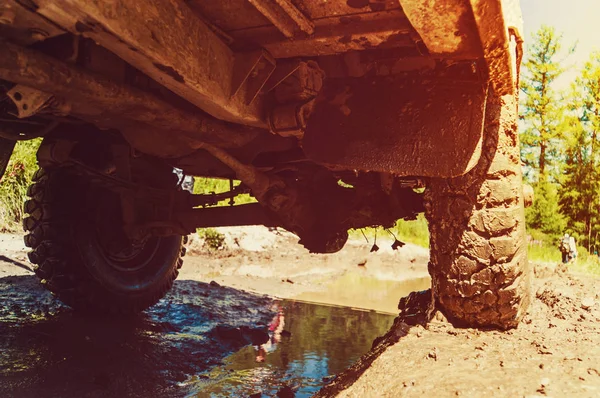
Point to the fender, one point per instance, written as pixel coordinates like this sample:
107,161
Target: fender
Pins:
415,125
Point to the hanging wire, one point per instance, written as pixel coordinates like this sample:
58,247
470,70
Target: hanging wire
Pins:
375,248
396,243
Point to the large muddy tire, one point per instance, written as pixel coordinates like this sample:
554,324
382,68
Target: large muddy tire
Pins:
478,264
80,251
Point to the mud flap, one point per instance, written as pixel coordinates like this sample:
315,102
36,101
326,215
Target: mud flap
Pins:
6,149
407,127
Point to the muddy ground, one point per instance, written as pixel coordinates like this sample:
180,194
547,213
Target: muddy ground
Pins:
555,351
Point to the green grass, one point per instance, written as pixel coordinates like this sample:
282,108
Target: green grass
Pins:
414,231
203,185
14,183
546,250
586,263
543,253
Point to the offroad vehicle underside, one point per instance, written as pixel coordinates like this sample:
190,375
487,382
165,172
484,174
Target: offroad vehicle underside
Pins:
330,113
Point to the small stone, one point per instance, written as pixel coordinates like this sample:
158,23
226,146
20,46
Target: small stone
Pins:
362,262
587,303
433,354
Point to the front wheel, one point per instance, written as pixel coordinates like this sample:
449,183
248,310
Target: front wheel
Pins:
82,254
479,268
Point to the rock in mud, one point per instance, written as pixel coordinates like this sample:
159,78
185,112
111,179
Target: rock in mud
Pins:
587,303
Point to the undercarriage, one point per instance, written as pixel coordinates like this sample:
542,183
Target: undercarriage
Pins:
332,115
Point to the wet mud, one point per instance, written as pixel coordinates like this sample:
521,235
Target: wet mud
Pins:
47,350
203,339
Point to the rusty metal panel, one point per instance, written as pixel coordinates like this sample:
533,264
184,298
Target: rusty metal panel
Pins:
167,41
336,34
285,16
229,14
156,126
22,26
317,9
447,27
233,15
407,127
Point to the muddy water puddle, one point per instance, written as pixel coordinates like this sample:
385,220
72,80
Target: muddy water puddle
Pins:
308,344
359,291
201,340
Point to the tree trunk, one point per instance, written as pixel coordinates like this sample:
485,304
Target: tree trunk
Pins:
542,163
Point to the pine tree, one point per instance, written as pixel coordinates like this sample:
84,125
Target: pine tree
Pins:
540,108
580,192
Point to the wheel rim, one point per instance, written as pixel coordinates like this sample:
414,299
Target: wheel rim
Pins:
120,252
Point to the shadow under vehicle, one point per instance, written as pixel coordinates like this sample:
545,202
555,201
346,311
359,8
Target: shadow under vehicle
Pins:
333,115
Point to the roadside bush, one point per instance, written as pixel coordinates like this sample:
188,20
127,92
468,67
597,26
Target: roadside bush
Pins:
14,183
414,231
213,239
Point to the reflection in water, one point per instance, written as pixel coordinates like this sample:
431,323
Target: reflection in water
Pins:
317,342
275,330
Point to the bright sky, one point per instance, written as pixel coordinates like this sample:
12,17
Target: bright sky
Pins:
577,20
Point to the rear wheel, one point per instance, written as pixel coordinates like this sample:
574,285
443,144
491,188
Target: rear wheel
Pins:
82,254
479,269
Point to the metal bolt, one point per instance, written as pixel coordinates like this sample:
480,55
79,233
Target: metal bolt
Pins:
38,35
7,16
